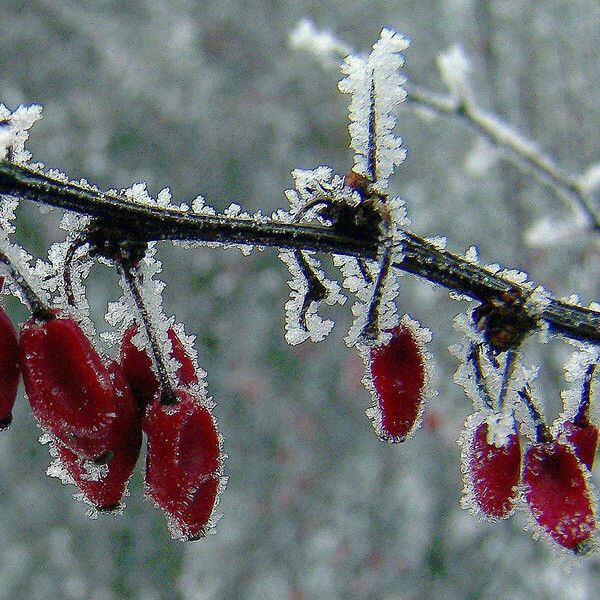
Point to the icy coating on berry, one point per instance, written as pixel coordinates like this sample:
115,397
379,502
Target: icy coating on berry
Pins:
491,472
556,490
183,464
396,378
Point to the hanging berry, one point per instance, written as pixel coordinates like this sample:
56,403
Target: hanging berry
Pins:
137,366
104,483
491,458
68,385
9,369
557,492
396,377
183,463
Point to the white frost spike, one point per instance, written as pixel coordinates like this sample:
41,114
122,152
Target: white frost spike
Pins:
314,326
354,281
321,44
455,68
14,131
8,205
376,88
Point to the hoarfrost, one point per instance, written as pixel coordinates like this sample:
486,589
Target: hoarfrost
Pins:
324,45
302,319
14,131
355,282
376,88
454,69
549,231
590,180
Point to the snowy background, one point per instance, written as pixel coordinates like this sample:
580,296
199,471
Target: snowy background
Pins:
208,98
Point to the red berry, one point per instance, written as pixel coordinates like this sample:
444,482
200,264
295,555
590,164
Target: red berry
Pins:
584,439
69,387
137,367
9,369
397,372
556,490
183,463
492,472
104,484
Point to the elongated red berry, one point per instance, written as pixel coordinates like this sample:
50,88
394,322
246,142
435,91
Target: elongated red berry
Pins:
137,366
584,439
183,463
492,464
103,483
9,369
557,492
397,381
68,385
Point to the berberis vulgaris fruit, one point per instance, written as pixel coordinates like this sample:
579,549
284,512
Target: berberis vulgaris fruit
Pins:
556,489
183,463
103,483
69,386
492,465
137,366
396,378
9,369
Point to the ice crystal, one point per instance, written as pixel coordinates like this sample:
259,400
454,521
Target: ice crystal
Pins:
454,68
302,320
14,131
321,44
376,88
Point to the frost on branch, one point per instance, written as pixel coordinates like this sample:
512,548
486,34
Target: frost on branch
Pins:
455,68
310,288
376,87
322,44
14,131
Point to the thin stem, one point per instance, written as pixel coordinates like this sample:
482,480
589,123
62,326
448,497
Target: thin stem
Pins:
474,357
419,256
76,244
372,134
543,435
509,367
582,416
526,152
316,291
371,329
38,306
168,387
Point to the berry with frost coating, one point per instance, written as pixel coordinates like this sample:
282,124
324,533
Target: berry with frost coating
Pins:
183,463
556,490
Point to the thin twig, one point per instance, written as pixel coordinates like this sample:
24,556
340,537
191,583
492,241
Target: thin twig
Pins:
419,257
527,154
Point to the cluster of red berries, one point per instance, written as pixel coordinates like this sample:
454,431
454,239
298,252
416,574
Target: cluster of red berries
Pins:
551,480
94,410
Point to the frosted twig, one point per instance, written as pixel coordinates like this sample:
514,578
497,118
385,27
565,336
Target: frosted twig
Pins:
167,384
37,305
524,153
568,187
419,256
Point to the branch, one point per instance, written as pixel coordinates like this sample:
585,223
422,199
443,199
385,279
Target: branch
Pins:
526,152
147,223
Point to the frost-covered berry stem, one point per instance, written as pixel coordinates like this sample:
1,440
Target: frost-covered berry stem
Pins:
38,306
542,430
582,416
419,256
168,395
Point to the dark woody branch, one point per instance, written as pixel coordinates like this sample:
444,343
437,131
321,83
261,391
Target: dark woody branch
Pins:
420,257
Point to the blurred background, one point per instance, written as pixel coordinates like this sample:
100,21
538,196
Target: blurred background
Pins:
208,98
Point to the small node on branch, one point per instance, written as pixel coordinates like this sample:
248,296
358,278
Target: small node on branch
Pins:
504,320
